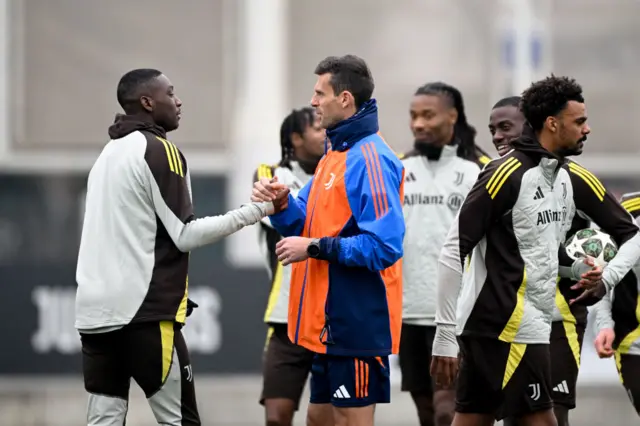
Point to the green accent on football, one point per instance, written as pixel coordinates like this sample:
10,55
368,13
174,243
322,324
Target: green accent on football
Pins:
585,233
593,243
592,247
609,252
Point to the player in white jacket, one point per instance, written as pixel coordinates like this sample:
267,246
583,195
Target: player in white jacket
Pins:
286,366
437,180
618,320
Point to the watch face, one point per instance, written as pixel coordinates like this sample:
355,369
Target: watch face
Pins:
313,250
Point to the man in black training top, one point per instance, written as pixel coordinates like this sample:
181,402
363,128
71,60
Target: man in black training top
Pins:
515,220
569,320
138,230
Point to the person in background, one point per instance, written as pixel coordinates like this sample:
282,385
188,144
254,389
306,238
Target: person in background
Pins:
617,319
438,178
286,366
505,123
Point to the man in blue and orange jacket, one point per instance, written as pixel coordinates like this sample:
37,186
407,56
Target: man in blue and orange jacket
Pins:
345,232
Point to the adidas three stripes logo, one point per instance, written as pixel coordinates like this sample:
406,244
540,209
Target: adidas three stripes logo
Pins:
538,195
341,393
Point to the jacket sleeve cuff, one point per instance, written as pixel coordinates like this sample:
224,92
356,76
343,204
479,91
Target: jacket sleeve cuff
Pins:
330,249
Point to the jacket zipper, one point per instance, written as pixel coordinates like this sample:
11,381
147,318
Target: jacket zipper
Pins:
306,269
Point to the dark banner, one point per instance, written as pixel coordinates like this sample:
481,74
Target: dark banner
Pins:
40,225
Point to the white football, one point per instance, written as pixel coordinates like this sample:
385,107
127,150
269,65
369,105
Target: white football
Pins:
594,243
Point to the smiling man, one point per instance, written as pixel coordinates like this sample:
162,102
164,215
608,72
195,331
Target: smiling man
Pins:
505,123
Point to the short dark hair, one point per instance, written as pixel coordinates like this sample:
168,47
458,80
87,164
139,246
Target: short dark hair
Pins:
546,98
296,122
349,73
462,130
131,86
513,101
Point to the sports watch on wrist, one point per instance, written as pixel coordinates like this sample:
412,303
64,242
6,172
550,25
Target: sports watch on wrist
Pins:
313,249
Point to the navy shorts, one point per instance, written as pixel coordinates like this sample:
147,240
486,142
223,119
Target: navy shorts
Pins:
350,382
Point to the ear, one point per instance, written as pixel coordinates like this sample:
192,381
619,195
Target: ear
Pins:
346,99
147,103
296,140
453,116
552,124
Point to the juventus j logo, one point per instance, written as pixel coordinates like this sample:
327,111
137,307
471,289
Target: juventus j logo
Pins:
459,178
188,372
330,183
536,391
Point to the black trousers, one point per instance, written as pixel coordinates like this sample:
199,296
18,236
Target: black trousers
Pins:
153,354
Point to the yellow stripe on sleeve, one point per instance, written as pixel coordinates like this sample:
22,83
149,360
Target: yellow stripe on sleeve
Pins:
177,158
631,205
484,159
264,171
173,156
588,177
498,171
169,152
501,175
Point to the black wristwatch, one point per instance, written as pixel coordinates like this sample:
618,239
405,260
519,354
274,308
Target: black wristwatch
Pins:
313,249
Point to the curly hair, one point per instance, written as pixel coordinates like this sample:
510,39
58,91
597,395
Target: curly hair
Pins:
547,98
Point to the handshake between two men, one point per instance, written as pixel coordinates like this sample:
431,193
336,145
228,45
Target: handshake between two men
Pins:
291,249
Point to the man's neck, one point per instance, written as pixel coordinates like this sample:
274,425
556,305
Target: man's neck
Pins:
141,116
350,112
445,142
545,142
307,163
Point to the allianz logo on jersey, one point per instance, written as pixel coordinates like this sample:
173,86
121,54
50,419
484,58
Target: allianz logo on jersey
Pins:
548,216
453,201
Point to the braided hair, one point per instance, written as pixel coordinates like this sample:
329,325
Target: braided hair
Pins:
296,122
462,130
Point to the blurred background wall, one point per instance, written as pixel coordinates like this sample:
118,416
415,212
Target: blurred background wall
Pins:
239,67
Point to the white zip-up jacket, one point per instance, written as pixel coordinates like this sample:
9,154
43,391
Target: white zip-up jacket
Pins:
620,309
514,220
139,228
434,190
278,303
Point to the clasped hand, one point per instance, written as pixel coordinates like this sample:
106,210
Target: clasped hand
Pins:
266,190
291,249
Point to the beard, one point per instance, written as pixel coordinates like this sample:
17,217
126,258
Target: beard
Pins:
575,149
